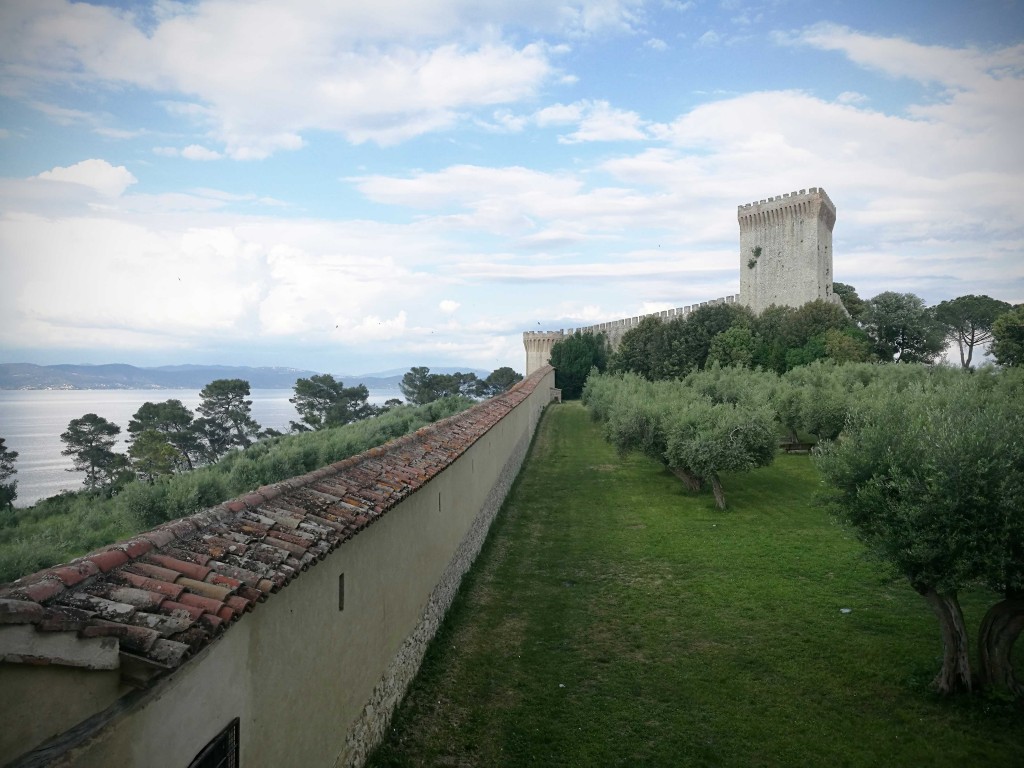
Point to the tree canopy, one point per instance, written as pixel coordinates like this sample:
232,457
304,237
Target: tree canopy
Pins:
8,487
902,328
499,380
420,386
1008,337
174,423
323,402
848,295
227,419
692,426
930,476
573,357
967,321
152,456
90,441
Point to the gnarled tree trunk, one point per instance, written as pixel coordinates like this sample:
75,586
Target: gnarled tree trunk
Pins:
955,675
716,486
1000,629
690,480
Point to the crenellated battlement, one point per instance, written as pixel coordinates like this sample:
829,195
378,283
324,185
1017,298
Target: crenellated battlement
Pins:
805,203
791,196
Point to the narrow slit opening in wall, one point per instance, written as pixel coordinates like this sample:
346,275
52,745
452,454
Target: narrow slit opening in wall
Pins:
439,502
222,751
341,592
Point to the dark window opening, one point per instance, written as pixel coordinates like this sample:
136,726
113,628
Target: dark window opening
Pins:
222,752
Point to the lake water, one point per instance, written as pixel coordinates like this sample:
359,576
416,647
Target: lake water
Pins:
32,420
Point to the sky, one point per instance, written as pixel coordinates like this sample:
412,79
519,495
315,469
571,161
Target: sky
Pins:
349,187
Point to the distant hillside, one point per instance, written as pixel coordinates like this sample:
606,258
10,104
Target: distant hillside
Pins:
118,376
28,376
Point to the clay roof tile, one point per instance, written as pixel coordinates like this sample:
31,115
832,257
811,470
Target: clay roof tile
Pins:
76,571
108,559
203,588
20,611
191,570
172,608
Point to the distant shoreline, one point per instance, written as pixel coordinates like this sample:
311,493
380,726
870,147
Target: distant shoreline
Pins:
117,376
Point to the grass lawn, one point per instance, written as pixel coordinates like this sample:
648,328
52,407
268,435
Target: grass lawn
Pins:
615,619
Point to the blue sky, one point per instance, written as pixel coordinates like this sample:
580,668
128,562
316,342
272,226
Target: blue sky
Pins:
350,186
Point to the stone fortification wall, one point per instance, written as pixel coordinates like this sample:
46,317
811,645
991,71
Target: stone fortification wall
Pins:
539,343
786,249
303,609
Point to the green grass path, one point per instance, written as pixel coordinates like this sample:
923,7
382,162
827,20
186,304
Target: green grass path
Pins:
614,619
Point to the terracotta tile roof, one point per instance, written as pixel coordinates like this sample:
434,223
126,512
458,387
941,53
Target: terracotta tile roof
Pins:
166,593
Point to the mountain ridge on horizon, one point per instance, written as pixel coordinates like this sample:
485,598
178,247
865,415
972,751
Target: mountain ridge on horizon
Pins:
18,376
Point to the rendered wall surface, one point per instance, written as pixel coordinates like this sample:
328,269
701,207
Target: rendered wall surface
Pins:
312,684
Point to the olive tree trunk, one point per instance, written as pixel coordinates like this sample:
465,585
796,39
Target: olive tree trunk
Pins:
1000,629
690,480
955,675
716,486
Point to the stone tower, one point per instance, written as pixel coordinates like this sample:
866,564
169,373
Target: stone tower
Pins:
786,250
538,348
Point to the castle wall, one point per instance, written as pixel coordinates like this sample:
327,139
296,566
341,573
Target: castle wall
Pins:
539,343
785,259
315,673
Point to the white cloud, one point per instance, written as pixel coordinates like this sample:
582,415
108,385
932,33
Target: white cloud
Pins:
951,67
657,44
709,38
851,97
197,152
470,252
560,114
594,120
374,328
99,175
602,122
382,72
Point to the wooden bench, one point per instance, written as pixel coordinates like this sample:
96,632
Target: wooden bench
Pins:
796,447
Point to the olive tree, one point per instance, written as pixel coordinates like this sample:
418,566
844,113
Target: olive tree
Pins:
704,439
930,477
675,423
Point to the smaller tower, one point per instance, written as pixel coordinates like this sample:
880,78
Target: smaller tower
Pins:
786,250
538,348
